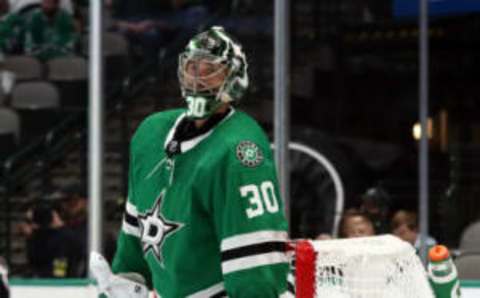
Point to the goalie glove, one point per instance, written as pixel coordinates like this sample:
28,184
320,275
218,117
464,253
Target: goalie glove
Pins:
125,285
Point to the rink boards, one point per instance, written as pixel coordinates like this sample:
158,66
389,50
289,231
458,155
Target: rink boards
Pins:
84,288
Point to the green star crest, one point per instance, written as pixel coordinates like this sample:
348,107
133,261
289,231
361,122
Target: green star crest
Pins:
249,154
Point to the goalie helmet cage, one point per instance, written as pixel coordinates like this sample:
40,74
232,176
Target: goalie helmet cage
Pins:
369,267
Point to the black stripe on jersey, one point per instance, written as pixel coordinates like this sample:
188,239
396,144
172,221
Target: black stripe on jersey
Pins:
131,220
221,294
254,249
290,287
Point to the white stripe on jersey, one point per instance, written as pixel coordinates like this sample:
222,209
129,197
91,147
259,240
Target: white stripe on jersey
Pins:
286,294
253,261
208,292
253,238
127,228
291,278
172,130
131,209
130,230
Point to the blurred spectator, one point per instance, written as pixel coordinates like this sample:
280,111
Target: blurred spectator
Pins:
74,212
375,203
49,248
50,32
62,218
73,202
12,28
405,226
355,224
154,23
4,291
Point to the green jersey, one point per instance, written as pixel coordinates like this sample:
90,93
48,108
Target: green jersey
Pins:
12,29
208,221
47,39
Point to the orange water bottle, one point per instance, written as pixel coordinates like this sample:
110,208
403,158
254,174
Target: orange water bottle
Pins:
442,273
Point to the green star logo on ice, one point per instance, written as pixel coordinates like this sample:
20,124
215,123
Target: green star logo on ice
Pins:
155,229
249,154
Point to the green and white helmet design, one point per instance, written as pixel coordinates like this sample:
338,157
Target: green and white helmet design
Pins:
212,70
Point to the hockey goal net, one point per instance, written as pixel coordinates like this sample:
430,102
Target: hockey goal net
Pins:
369,267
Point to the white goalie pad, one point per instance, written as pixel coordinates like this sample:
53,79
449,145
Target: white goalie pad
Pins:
126,285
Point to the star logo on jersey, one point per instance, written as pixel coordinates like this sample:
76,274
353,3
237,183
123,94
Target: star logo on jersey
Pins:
249,154
155,229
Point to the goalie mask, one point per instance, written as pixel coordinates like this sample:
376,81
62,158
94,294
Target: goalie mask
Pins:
212,70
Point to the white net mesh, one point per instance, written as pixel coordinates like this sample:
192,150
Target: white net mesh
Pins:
370,267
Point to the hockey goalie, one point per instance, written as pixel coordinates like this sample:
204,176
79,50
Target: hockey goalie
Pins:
204,217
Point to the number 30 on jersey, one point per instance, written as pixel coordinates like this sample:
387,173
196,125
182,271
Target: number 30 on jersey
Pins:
260,198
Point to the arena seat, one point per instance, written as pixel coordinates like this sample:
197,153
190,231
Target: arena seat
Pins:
468,264
470,239
115,51
38,105
26,68
70,76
